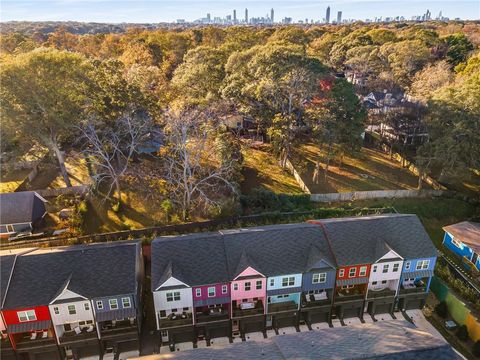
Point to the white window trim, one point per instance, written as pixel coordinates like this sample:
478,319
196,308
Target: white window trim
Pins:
129,303
249,286
86,306
235,287
257,283
408,264
209,293
224,289
290,280
198,292
100,304
457,243
363,271
421,265
341,273
56,310
110,301
396,266
74,310
354,272
319,278
29,315
272,282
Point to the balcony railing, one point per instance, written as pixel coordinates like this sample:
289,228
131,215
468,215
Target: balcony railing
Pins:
412,290
313,300
110,328
283,306
26,343
178,320
342,297
372,294
71,336
202,318
248,312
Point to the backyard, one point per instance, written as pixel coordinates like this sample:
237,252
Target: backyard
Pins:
368,170
262,170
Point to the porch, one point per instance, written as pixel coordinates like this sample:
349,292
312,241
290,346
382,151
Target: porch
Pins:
281,307
115,328
175,320
25,341
248,309
315,300
413,289
374,294
211,315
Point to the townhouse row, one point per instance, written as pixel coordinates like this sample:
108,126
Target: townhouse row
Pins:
230,283
71,303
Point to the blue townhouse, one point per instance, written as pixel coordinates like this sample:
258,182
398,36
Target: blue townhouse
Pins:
463,239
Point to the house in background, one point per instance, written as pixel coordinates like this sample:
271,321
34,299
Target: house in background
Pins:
20,213
463,239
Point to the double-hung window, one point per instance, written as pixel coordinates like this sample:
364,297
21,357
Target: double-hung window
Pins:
288,281
56,310
272,282
99,304
71,309
341,272
352,272
319,278
224,289
258,285
126,303
395,267
28,315
407,265
86,306
113,303
423,264
385,268
198,292
363,271
173,296
211,291
247,286
235,287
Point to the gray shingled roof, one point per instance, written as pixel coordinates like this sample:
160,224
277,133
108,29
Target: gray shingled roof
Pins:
209,258
392,340
355,240
6,267
91,271
17,207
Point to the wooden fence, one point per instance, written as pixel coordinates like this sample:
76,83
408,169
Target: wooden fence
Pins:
210,225
375,194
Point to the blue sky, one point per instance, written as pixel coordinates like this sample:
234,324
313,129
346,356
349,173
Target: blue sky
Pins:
170,10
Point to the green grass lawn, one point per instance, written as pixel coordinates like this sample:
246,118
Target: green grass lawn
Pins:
434,213
262,170
368,170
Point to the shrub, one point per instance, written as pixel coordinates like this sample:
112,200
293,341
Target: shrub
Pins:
476,348
462,333
82,207
441,309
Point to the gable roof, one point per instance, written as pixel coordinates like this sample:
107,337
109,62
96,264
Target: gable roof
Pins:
467,232
360,240
208,258
92,271
18,207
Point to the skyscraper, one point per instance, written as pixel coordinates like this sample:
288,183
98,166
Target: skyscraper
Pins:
339,17
327,16
234,16
246,16
272,16
209,17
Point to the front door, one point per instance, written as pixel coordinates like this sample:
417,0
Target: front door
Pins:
164,334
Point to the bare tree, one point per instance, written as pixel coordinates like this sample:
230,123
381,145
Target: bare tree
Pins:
193,171
111,148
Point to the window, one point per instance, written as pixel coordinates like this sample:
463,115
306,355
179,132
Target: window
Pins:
374,283
247,286
375,268
352,272
211,291
259,284
67,327
341,272
56,311
173,296
407,265
72,310
272,282
81,323
186,308
89,322
28,315
113,303
163,313
385,268
348,286
86,306
174,310
198,292
288,281
100,304
126,302
457,243
395,267
423,264
384,282
319,278
363,271
224,289
235,287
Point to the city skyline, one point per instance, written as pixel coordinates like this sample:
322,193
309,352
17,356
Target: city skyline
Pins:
170,11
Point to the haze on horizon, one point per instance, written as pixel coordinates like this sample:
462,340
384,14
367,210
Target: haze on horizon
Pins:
153,11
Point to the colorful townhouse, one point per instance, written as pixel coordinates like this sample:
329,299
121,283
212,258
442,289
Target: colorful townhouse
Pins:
191,288
76,301
463,239
383,262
